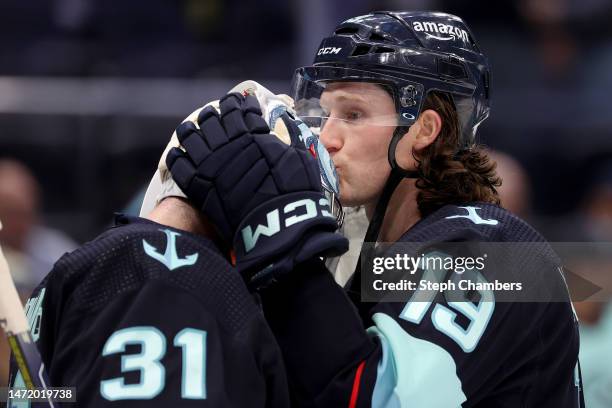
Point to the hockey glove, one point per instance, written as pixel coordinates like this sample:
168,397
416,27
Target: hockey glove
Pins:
263,195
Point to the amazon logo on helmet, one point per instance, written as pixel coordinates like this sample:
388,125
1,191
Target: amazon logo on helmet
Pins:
443,32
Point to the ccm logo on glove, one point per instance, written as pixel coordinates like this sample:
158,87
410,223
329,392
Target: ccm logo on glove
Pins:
310,207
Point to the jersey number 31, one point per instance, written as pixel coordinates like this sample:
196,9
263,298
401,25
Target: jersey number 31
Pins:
152,372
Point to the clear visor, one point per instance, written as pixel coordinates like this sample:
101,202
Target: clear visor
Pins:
348,96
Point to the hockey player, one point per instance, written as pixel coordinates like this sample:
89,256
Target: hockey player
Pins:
397,98
150,314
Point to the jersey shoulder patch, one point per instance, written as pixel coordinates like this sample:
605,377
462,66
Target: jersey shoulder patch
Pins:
472,222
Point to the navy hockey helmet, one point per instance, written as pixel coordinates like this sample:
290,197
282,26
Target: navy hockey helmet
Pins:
411,54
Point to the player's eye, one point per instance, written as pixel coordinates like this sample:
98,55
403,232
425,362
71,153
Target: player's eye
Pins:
353,115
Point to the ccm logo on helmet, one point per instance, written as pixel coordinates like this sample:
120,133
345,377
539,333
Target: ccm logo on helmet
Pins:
293,213
329,50
430,27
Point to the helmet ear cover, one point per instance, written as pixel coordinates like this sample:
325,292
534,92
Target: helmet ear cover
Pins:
407,99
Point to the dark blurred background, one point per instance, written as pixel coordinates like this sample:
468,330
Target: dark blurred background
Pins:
90,91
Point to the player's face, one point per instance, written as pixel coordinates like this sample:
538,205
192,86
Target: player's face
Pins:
355,140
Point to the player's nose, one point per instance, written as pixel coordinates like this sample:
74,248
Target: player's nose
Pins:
331,136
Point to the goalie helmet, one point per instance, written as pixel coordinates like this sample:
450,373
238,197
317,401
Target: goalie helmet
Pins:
411,54
273,107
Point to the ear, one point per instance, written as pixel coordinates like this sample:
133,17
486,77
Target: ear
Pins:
428,128
420,135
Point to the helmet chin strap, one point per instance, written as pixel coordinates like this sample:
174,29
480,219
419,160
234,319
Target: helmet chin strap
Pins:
353,287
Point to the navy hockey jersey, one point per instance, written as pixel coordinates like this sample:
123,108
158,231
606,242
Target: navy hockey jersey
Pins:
432,352
147,315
